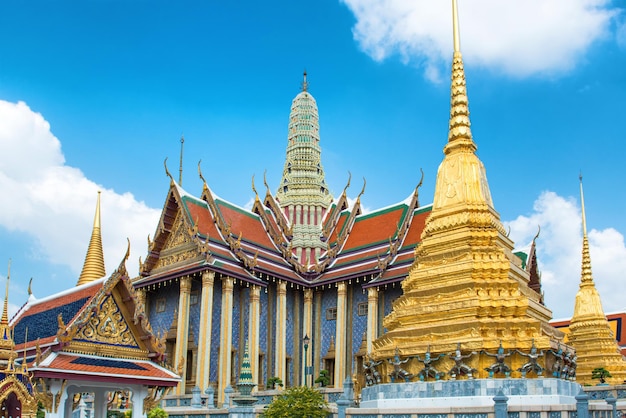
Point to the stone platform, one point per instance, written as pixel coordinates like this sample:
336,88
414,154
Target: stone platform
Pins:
468,393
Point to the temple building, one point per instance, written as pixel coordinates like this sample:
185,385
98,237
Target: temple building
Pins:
93,339
304,282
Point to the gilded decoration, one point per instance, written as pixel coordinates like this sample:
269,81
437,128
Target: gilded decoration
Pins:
107,326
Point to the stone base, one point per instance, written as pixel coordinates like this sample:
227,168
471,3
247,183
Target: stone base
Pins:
468,393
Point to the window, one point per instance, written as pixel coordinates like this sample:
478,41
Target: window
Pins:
193,298
362,309
160,305
331,314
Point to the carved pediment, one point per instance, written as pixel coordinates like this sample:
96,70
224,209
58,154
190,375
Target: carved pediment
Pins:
107,325
179,246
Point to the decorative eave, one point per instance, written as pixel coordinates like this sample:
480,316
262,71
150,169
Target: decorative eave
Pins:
118,286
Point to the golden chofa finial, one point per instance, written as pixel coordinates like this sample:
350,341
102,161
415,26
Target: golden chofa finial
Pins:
305,84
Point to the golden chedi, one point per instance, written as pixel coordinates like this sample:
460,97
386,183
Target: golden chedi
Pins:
590,333
465,286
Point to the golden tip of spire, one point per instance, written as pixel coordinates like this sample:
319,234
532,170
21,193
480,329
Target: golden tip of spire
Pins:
455,27
582,205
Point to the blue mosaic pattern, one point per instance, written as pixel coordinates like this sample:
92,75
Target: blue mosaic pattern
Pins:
194,312
263,334
391,294
432,415
45,324
621,393
171,402
513,415
359,323
162,321
534,415
329,300
573,414
555,414
364,416
215,328
236,329
396,415
290,325
598,394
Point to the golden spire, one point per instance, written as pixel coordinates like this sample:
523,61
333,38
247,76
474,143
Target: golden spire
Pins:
590,333
460,134
93,269
4,321
6,339
586,277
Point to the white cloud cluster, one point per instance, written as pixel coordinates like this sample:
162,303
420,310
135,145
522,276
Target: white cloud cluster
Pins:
55,204
518,38
559,251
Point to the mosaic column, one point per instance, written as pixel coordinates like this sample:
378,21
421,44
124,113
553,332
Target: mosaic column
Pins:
226,338
307,327
254,323
340,336
281,332
372,317
204,339
182,333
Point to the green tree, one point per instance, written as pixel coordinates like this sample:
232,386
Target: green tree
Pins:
273,382
298,402
600,373
324,378
157,412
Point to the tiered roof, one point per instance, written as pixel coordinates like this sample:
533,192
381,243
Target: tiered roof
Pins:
207,232
97,331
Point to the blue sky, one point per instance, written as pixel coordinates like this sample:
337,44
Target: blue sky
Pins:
94,95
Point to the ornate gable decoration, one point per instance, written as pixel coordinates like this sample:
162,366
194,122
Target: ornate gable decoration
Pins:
179,246
107,325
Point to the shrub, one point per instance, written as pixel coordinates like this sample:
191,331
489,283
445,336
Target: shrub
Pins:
157,412
298,402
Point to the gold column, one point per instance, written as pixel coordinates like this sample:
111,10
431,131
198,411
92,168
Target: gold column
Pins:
307,326
372,317
226,338
141,299
281,334
206,323
254,323
340,336
182,333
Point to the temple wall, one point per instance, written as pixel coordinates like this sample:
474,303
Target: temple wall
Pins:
215,331
359,322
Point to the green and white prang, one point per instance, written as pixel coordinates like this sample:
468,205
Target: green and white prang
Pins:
303,194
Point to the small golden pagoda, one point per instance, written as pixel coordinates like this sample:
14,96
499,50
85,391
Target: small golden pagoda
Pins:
590,333
93,269
465,286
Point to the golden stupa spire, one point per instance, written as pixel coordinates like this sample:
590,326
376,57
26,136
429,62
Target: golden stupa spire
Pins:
4,321
93,269
586,277
590,333
6,341
465,284
460,134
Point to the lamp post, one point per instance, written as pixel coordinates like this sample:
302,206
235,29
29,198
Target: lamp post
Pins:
306,340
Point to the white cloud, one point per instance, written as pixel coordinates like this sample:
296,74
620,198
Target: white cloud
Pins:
559,252
518,38
55,204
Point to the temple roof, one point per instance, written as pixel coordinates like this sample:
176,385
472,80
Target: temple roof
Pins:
95,329
207,232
